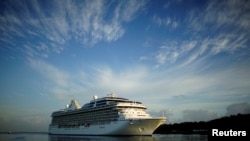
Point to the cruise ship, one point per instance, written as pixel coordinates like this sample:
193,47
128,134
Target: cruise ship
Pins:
110,115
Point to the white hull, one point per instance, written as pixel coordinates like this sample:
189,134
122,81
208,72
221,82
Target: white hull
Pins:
121,127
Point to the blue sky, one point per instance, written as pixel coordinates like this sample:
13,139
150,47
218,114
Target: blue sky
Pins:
188,60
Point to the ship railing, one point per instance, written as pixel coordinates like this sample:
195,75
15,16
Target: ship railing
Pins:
84,109
131,105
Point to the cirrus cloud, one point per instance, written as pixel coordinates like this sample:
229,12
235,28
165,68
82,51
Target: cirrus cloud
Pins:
87,22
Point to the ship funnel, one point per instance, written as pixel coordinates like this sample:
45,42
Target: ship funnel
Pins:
67,106
95,97
74,105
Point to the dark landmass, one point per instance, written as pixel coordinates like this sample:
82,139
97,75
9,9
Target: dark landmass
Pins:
240,122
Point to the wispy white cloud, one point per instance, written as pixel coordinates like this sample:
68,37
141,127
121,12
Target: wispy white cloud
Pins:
125,81
86,21
166,21
58,81
126,10
198,50
165,55
228,43
221,15
228,12
230,34
226,18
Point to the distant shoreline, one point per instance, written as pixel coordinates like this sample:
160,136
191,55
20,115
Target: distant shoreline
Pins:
236,122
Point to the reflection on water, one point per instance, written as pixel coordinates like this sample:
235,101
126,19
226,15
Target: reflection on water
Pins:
24,137
169,137
181,137
46,137
101,138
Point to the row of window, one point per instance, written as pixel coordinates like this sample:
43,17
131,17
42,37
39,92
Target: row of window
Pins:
90,117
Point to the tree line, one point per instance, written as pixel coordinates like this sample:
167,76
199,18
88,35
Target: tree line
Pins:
240,122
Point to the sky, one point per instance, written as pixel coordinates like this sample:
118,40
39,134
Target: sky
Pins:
186,60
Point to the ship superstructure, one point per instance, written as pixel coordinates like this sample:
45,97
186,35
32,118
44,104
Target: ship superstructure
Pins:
109,115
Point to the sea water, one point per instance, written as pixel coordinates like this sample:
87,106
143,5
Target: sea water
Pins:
46,137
